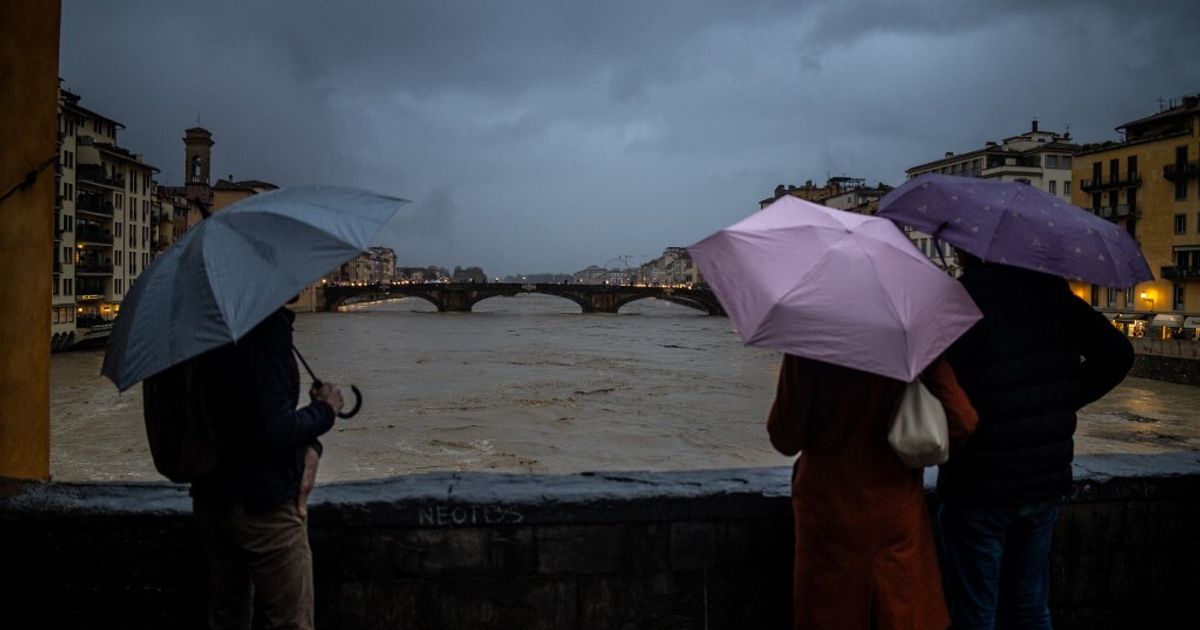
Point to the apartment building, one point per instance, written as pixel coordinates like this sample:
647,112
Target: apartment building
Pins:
102,218
1042,159
1148,184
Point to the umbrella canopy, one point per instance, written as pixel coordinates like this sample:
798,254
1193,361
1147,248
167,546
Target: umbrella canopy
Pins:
834,286
1016,224
232,270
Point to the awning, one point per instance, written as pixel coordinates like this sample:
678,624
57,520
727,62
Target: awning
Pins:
1168,321
1131,317
1110,316
1191,322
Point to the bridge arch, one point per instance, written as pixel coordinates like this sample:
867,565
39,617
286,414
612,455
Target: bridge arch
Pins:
580,302
335,300
681,301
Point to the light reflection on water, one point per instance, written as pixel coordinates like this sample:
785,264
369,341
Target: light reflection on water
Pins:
531,384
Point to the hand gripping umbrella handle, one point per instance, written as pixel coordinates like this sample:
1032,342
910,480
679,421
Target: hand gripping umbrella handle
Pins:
317,383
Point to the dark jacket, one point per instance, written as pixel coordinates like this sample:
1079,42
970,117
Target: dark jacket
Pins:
261,435
1038,356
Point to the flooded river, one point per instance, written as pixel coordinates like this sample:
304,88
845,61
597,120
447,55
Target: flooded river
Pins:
529,384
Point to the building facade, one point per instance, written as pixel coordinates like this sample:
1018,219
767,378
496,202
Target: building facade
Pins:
377,265
103,221
845,193
1148,184
1042,159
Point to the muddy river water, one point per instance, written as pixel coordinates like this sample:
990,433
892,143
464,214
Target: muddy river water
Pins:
529,384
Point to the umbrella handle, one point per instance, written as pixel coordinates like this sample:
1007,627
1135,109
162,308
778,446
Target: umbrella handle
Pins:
317,384
357,403
357,400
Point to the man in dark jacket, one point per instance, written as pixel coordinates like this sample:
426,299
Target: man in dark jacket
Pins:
250,509
1038,355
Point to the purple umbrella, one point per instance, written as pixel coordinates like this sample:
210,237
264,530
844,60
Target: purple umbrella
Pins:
834,286
1017,224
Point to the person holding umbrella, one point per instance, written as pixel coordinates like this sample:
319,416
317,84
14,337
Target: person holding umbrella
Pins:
204,327
859,314
1038,355
251,507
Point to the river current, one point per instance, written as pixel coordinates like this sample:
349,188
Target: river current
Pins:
530,384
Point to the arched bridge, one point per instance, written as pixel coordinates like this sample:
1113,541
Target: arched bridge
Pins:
461,297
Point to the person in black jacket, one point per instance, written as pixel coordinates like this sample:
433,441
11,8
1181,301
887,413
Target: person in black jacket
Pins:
1038,355
251,509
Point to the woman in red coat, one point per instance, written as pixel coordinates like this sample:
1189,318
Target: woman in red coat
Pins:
865,555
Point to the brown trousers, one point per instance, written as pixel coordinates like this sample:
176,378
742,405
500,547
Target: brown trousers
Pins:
257,562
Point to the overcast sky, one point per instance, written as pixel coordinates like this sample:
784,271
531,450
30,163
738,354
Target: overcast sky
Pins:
548,135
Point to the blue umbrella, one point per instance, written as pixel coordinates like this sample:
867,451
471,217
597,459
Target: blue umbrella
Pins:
232,270
1016,224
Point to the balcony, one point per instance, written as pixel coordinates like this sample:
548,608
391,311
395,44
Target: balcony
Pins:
1127,210
92,206
95,175
93,237
92,267
1181,171
1180,273
1098,185
57,267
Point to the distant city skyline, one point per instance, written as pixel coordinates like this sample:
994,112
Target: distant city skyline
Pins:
545,136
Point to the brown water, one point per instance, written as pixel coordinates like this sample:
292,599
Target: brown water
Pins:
529,384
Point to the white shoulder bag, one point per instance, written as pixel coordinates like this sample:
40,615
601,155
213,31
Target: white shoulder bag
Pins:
919,434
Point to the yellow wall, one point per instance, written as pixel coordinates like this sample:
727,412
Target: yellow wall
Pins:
28,122
1155,229
224,198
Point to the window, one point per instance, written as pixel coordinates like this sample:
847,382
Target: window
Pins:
1114,170
1067,187
68,286
1053,187
119,285
1113,197
1112,297
120,257
54,285
1131,168
1051,161
119,201
1129,297
1095,295
1181,224
119,230
1096,203
1177,297
1064,161
1181,185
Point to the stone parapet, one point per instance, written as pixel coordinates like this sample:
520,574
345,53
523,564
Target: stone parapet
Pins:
692,549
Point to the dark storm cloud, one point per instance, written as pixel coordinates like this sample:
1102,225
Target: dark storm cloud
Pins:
548,135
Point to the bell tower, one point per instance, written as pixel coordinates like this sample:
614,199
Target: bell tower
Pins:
197,152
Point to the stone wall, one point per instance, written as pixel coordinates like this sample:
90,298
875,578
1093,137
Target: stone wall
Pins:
704,549
1167,368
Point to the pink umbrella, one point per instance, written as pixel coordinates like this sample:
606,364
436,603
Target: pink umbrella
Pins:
834,286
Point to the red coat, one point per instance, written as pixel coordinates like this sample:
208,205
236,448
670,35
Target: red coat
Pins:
865,555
